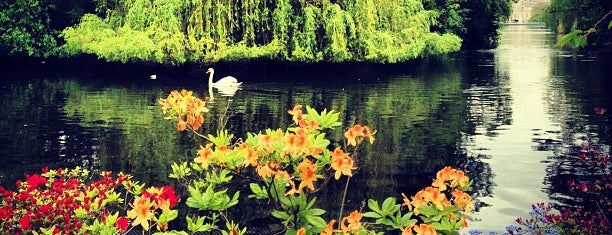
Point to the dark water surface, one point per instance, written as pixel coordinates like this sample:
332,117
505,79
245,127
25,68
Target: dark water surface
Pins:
510,117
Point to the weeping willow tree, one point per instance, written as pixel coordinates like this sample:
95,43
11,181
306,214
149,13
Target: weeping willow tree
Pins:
194,31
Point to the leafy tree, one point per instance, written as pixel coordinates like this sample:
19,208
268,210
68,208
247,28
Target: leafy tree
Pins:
476,21
566,16
176,31
25,28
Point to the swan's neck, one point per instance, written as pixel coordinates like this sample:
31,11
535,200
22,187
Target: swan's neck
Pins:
210,79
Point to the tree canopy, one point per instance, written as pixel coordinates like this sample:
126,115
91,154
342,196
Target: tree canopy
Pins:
177,31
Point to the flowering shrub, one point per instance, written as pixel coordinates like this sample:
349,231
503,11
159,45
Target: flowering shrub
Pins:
61,202
287,168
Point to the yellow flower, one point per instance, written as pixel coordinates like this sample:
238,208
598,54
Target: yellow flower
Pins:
141,211
342,163
301,231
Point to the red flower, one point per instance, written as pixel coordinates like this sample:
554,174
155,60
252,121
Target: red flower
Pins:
169,194
122,223
34,181
24,222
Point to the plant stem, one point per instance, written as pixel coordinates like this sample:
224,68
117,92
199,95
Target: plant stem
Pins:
343,200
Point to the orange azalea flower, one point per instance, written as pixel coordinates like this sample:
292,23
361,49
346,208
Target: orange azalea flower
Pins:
330,228
342,163
197,123
352,134
205,155
141,211
265,141
408,230
307,174
182,125
437,198
419,199
354,224
301,231
462,200
297,113
460,179
356,132
297,142
251,158
310,125
424,229
265,171
439,183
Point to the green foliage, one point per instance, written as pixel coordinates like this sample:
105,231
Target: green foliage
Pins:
574,39
210,199
476,21
389,214
176,32
565,16
26,28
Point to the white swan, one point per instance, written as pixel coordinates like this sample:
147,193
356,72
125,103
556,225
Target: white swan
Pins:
227,86
228,81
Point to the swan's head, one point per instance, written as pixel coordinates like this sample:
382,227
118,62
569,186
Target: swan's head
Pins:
210,70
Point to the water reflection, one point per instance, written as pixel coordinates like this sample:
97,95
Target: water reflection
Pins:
522,76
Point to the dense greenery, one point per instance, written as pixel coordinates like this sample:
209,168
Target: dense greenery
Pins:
176,32
476,21
25,28
565,15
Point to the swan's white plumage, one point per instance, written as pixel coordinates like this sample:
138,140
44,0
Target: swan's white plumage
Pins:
225,81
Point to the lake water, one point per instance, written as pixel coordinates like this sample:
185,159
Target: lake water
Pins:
510,117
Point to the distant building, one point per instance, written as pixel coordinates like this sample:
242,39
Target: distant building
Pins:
522,10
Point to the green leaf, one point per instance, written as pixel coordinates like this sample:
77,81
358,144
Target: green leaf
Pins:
610,25
316,221
282,215
199,225
389,206
258,192
316,211
168,216
371,214
385,221
373,205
